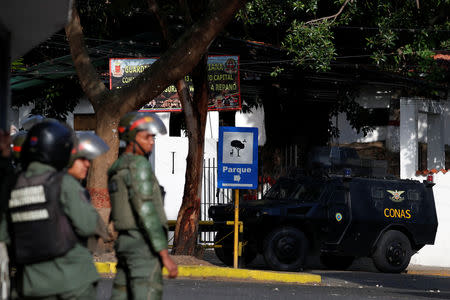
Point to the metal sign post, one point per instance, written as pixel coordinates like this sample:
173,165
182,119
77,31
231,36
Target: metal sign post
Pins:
236,230
237,168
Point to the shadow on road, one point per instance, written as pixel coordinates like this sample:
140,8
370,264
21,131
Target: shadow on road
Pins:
363,274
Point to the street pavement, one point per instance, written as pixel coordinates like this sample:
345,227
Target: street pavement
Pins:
361,281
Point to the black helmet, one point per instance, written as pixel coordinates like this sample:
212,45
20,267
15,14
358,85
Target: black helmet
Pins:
49,142
87,145
136,121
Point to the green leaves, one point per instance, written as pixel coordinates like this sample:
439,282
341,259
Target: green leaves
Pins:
18,65
55,100
312,45
274,12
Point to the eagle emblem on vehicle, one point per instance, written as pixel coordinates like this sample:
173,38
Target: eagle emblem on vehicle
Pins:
396,195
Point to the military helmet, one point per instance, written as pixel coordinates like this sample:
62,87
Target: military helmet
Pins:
31,121
49,142
136,121
17,142
87,145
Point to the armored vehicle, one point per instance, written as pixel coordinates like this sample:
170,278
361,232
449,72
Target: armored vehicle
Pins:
338,217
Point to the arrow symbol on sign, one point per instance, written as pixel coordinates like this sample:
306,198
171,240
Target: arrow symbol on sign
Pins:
237,178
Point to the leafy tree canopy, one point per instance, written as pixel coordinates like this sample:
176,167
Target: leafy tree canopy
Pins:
399,36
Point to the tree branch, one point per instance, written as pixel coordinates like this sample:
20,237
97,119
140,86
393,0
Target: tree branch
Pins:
330,17
180,58
153,7
90,82
182,87
187,13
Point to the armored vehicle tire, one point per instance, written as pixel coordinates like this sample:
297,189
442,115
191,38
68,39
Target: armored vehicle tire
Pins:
335,262
226,252
393,252
285,249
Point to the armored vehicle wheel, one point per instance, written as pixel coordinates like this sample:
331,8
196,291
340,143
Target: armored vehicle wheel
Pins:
285,249
335,262
393,252
225,253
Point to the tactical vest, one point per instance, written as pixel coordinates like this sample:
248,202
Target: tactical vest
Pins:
39,227
121,194
121,212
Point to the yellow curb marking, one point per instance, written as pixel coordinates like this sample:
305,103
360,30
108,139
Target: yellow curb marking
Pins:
206,271
429,273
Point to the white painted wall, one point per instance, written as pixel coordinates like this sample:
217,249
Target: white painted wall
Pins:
420,121
446,120
350,135
425,121
408,138
437,254
253,119
370,97
170,168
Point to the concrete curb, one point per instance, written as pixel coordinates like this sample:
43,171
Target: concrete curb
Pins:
443,273
221,272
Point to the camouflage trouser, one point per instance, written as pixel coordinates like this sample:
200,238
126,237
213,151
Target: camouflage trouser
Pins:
128,285
87,292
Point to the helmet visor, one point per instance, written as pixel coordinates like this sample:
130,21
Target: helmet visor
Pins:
89,145
150,122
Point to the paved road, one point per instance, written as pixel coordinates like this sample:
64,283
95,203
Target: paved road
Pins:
190,289
343,285
362,281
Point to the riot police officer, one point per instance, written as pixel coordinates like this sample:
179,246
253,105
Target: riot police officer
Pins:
7,171
88,146
138,213
46,218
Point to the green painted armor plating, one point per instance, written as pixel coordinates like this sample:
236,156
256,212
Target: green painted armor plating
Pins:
136,199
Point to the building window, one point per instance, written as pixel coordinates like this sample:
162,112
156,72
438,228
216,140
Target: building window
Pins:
176,124
422,163
378,117
227,118
84,122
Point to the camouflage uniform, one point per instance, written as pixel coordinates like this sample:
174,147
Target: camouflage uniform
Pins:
139,218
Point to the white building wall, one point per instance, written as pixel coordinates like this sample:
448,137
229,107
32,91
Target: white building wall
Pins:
426,122
446,120
350,135
437,254
253,119
436,147
408,138
370,97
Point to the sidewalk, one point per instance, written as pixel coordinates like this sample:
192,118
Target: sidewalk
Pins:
212,267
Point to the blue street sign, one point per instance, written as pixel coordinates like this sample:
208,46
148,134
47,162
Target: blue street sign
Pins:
238,158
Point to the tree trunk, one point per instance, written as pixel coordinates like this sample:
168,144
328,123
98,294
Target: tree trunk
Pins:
106,127
186,230
173,64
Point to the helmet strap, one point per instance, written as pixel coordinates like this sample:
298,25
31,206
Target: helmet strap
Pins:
146,154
